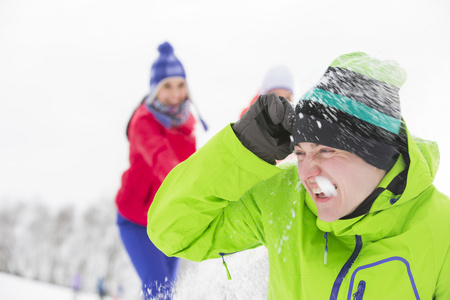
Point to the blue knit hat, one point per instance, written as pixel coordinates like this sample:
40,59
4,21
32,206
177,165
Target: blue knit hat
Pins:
355,107
166,65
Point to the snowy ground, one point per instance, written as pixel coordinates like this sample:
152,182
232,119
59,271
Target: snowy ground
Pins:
18,288
205,280
249,271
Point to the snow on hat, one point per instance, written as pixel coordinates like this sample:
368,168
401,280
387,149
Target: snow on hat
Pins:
165,66
278,77
354,107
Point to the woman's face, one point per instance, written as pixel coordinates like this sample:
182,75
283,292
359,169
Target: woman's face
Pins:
352,178
173,92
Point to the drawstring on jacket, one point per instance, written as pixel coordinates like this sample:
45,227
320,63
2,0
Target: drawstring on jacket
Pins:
325,254
225,265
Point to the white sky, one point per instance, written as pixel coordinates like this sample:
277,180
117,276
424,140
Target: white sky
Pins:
71,72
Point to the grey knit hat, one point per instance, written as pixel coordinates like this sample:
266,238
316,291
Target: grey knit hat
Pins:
355,107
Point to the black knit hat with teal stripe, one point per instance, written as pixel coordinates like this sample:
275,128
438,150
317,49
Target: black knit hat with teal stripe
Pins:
355,107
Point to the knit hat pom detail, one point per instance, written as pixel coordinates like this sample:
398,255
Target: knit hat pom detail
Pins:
165,49
386,71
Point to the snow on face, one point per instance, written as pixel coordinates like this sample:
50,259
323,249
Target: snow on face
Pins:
326,186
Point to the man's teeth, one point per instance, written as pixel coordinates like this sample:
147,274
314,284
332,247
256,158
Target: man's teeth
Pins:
319,193
316,190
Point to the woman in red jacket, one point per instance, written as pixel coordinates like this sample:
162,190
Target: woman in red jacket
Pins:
161,135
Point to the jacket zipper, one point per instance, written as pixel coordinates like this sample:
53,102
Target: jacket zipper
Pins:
360,292
348,264
394,258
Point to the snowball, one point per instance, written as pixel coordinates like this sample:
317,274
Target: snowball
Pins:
326,186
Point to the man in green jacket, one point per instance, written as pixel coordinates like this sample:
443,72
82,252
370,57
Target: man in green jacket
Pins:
357,218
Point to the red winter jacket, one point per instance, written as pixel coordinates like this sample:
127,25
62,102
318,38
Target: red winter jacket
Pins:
154,152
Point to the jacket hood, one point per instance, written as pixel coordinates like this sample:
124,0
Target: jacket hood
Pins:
418,165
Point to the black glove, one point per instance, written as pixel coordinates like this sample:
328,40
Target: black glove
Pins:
266,127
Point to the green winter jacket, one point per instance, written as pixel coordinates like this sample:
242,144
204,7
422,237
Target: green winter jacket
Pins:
224,199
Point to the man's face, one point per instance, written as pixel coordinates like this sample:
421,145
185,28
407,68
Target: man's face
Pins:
352,178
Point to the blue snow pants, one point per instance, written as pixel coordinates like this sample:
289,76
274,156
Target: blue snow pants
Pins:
156,270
